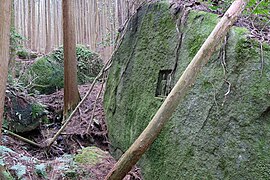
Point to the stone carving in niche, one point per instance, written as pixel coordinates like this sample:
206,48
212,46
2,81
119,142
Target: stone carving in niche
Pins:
164,84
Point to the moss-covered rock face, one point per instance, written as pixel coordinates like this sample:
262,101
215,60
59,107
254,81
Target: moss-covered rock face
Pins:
47,74
221,129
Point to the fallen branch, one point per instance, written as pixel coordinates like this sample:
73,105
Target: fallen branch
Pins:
21,138
144,141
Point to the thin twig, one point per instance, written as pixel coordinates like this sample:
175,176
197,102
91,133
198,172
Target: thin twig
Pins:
224,66
227,93
81,146
266,24
94,108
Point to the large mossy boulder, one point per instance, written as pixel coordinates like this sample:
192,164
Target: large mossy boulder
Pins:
46,75
221,130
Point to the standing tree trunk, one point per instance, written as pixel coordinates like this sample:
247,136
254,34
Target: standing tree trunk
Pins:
33,29
5,15
12,43
29,19
5,18
38,26
143,142
48,25
71,93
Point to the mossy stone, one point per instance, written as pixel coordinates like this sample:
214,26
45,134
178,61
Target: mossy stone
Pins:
23,54
46,75
22,114
90,156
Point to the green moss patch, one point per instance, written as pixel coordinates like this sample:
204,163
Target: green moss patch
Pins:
90,156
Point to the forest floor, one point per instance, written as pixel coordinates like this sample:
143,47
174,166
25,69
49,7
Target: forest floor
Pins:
28,162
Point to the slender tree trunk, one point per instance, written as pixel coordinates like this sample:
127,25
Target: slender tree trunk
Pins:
96,23
57,24
43,26
38,26
144,141
60,28
25,12
5,19
120,12
12,47
33,29
29,30
71,93
48,25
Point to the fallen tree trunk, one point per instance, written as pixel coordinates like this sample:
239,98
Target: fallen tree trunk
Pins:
143,142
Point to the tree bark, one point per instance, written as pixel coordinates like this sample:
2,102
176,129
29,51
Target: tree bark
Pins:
5,16
12,43
71,93
5,19
33,29
28,20
143,142
48,25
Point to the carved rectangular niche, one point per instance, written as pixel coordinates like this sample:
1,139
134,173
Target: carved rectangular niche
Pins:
164,84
